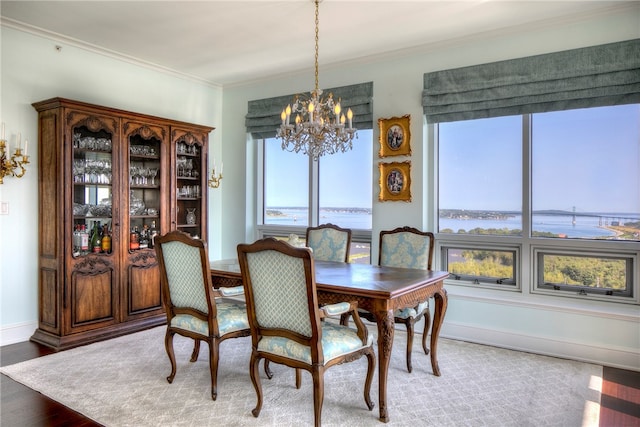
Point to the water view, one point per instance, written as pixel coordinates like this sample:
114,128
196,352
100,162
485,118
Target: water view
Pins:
354,218
567,225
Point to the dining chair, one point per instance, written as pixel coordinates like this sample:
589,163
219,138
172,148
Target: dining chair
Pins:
190,301
287,325
407,247
329,242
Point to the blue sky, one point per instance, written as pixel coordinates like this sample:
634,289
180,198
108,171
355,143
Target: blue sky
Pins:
346,178
588,158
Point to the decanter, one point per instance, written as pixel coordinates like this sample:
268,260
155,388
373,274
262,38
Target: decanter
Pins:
191,216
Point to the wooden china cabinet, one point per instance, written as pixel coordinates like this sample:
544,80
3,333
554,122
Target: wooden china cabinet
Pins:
109,181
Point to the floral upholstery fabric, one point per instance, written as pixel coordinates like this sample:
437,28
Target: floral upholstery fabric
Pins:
276,277
184,274
406,313
328,244
232,316
336,341
405,250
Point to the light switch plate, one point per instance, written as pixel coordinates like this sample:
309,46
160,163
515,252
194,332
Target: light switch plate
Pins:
4,208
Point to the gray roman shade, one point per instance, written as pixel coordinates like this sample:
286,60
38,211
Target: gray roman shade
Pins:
263,116
580,78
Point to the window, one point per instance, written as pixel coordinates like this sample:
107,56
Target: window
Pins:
337,189
561,188
475,156
488,266
586,173
585,273
286,189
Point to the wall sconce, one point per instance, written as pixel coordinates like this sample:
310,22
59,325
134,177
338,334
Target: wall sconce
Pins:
14,166
214,180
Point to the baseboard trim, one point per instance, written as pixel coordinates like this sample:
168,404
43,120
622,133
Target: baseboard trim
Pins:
623,358
17,332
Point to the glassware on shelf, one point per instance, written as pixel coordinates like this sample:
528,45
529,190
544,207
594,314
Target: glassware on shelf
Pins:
80,209
103,209
136,206
152,173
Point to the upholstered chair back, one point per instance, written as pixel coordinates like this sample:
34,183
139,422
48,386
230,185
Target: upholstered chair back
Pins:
406,247
276,278
184,276
329,242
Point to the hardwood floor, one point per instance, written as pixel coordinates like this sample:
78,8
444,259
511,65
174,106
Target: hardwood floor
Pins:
22,406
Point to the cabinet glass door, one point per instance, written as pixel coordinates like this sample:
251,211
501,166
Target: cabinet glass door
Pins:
145,188
92,191
189,188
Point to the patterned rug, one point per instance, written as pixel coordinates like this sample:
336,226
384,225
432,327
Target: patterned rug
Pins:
122,382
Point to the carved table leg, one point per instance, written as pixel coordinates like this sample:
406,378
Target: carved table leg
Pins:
441,301
385,324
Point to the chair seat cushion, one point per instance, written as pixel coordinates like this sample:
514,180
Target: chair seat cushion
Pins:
407,313
337,340
232,316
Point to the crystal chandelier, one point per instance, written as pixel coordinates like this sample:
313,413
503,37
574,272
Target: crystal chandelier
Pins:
320,126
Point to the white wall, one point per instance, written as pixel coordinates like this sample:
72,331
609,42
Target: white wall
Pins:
597,332
34,70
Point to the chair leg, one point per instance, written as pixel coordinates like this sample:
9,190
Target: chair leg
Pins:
427,323
196,351
213,366
371,360
318,394
255,379
409,323
267,370
298,378
168,345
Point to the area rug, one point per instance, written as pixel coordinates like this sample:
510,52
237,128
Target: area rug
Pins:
122,382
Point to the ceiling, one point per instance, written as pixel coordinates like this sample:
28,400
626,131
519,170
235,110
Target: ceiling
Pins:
234,42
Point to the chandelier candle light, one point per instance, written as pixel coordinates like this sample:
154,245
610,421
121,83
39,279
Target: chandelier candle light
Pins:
320,126
214,180
10,166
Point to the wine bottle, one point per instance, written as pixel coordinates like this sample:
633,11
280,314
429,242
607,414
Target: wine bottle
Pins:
84,240
96,238
134,239
106,240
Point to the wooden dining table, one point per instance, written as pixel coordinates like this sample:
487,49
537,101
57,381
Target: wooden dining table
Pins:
380,290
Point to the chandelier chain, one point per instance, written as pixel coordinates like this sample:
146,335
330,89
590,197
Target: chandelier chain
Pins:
317,40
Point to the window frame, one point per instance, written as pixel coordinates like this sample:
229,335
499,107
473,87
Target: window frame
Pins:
482,281
585,291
